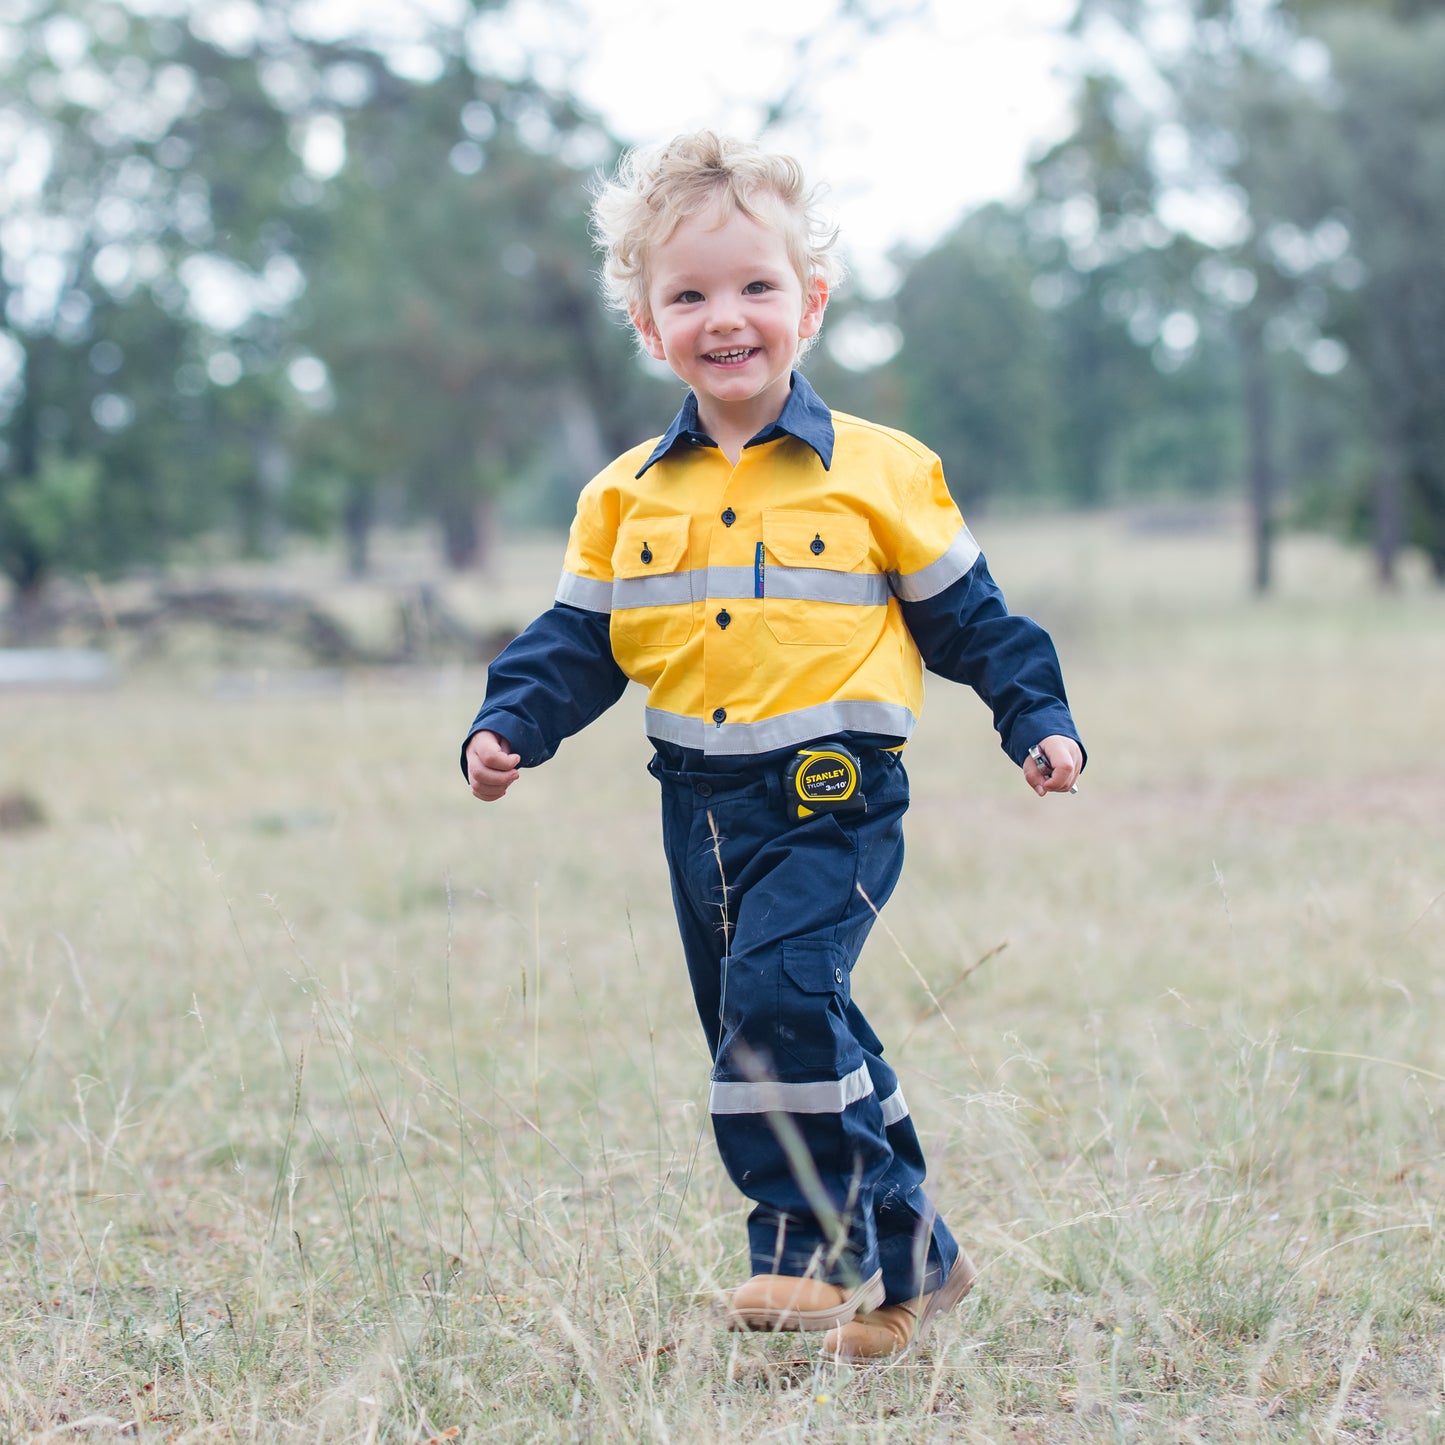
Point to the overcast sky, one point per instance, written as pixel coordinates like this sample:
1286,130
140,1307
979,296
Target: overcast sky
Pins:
908,128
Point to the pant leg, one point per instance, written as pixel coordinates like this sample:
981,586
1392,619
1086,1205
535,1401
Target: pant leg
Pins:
915,1246
803,1105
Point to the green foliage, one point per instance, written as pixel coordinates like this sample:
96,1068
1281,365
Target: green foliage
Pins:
1038,379
454,306
1383,155
974,365
184,246
1333,174
47,516
164,171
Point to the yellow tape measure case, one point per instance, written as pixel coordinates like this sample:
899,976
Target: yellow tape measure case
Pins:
824,780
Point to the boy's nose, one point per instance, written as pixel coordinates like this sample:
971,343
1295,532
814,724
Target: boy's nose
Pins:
724,317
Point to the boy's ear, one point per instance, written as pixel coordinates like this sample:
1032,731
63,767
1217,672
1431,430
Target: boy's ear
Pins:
651,341
815,303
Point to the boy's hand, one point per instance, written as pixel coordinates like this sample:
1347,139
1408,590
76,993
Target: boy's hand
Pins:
1065,759
491,766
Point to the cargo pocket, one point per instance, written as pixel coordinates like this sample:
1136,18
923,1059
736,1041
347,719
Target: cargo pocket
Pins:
813,590
652,587
812,995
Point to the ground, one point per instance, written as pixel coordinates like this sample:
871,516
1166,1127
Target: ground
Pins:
334,1105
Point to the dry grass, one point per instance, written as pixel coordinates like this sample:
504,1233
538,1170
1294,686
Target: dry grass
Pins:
333,1106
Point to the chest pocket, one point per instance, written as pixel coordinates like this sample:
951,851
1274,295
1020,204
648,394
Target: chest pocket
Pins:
652,586
813,590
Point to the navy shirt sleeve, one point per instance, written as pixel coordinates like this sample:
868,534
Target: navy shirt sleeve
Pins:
550,682
967,633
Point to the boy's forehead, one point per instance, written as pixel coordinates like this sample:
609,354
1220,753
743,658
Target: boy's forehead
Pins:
721,231
763,210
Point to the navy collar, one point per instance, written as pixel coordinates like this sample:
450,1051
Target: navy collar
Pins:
803,416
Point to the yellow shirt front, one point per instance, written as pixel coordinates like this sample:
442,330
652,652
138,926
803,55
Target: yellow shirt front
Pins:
760,604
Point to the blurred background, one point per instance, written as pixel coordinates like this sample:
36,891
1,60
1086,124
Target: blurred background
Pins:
304,279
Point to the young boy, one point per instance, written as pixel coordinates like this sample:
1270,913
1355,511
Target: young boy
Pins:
777,576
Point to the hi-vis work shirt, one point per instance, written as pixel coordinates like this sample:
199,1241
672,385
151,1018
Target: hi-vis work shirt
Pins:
793,597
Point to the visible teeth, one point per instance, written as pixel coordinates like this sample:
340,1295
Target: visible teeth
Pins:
737,355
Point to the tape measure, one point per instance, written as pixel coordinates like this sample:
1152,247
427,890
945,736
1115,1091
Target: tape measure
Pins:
824,780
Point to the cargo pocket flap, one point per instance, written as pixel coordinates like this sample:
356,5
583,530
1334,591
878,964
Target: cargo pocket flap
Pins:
818,968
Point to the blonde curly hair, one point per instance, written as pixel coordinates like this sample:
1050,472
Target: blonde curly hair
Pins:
654,189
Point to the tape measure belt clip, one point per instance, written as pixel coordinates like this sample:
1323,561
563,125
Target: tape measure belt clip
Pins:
824,780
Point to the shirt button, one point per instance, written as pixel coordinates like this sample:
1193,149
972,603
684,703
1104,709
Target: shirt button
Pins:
724,617
729,517
646,554
703,790
838,974
816,546
719,714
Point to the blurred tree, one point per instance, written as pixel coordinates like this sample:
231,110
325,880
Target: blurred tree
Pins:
456,310
1377,140
973,368
1298,147
1037,375
143,272
1117,194
257,279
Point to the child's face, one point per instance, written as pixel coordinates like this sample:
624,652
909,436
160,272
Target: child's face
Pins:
727,313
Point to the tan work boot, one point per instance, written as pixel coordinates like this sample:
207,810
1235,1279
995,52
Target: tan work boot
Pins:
785,1302
883,1333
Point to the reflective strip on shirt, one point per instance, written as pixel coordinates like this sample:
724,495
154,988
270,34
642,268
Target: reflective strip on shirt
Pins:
812,584
939,576
784,730
731,584
665,590
894,1107
584,592
830,1096
795,584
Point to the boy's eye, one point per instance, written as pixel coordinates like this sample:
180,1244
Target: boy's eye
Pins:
689,297
756,288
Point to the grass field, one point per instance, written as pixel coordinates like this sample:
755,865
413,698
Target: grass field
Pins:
335,1106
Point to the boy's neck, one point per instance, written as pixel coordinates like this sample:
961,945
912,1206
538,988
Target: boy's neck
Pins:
732,425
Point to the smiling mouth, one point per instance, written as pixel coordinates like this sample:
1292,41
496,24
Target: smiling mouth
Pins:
730,358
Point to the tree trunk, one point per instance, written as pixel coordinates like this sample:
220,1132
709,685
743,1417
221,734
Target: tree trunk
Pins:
357,515
468,530
1387,516
273,481
28,622
1258,412
1430,490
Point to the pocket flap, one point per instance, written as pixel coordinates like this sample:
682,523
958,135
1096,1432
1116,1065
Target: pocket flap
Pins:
834,541
816,967
648,546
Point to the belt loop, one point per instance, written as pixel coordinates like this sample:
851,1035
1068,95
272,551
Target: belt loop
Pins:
775,787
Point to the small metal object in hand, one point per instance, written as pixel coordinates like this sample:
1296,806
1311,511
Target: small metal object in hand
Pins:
1042,763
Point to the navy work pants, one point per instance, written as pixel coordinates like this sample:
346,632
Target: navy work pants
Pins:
809,1119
